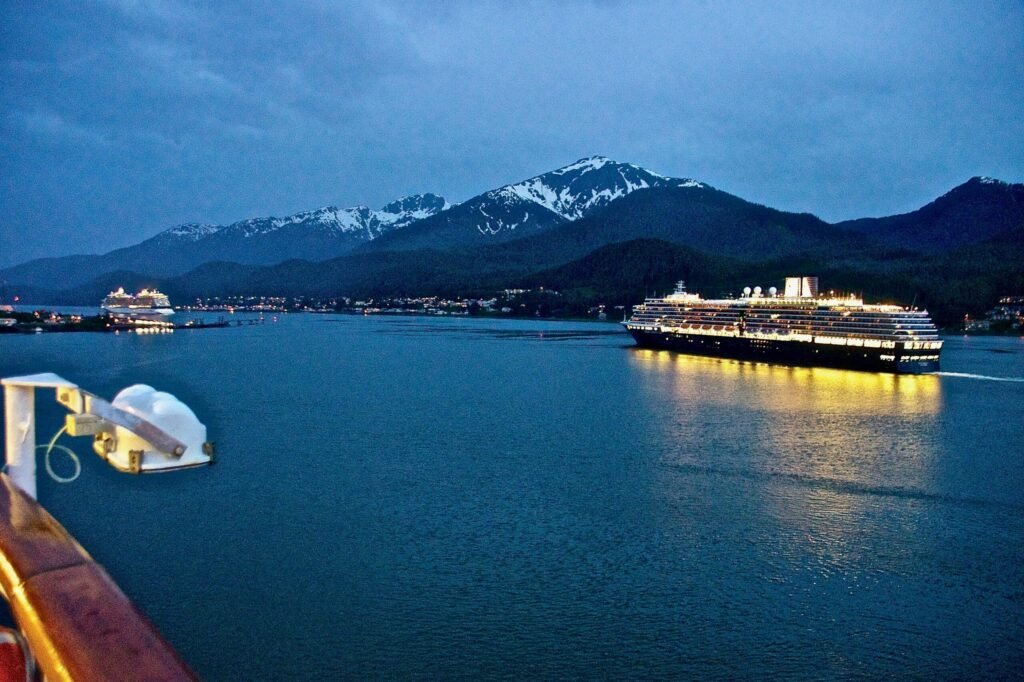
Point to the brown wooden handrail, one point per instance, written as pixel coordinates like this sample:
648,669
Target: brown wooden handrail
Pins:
76,620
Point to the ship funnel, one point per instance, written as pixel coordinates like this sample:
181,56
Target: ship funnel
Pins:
801,287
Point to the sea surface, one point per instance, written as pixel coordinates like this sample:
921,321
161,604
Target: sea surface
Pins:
464,498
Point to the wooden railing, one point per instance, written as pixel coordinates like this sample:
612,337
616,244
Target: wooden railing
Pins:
76,620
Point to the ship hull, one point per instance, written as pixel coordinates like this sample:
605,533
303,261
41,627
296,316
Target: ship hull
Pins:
139,313
789,352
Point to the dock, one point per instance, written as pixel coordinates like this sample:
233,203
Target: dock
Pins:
46,322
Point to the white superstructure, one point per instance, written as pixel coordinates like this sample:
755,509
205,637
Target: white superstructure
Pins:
147,304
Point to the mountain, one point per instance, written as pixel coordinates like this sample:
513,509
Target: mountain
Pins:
971,213
589,228
315,235
540,203
698,217
358,223
692,216
967,279
637,267
424,221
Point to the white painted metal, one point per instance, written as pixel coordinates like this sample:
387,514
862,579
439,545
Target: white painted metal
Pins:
43,380
166,413
136,421
143,430
20,424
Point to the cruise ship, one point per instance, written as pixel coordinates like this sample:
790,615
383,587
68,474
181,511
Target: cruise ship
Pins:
147,304
794,327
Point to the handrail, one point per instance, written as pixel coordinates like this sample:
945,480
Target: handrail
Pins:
76,620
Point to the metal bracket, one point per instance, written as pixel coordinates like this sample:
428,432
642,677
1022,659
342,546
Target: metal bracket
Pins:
83,424
80,401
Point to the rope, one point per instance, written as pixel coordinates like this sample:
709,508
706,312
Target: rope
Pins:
70,453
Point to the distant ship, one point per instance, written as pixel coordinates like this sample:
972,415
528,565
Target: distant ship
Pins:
796,327
147,304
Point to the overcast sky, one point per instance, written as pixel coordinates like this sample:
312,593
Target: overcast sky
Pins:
122,118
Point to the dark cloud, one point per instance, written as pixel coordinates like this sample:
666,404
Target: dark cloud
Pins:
122,118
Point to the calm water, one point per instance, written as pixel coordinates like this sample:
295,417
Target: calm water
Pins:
462,498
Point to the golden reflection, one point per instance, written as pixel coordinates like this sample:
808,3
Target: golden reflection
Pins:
816,447
794,390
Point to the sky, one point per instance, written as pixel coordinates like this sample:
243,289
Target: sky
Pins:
121,118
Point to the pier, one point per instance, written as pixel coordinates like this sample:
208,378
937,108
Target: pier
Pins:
43,322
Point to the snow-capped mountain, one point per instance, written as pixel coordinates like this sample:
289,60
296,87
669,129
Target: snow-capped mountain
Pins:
358,222
585,186
192,231
538,203
557,217
569,193
422,221
311,235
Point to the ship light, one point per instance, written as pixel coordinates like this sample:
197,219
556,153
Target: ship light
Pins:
141,431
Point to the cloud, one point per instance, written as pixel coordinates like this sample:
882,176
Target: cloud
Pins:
172,68
52,128
132,116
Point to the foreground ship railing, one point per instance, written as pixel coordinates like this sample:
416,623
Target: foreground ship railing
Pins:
77,623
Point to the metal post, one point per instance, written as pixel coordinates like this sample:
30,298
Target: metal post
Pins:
20,427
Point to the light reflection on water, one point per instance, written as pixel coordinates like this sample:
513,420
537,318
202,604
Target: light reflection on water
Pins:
837,429
853,508
821,389
813,423
814,445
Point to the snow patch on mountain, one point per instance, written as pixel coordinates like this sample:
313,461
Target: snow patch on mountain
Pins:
358,222
583,165
568,193
409,209
580,188
193,231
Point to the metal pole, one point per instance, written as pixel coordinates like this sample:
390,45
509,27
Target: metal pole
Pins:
20,427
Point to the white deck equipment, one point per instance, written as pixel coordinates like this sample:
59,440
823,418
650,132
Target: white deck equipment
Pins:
141,431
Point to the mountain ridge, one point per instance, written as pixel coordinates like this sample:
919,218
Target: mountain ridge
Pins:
423,245
319,234
529,206
971,212
964,280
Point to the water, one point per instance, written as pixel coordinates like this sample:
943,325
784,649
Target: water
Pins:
464,498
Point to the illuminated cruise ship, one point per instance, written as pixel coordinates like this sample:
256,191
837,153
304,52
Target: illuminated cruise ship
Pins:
796,327
147,304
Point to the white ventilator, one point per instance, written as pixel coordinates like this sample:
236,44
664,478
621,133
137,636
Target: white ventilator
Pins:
141,431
